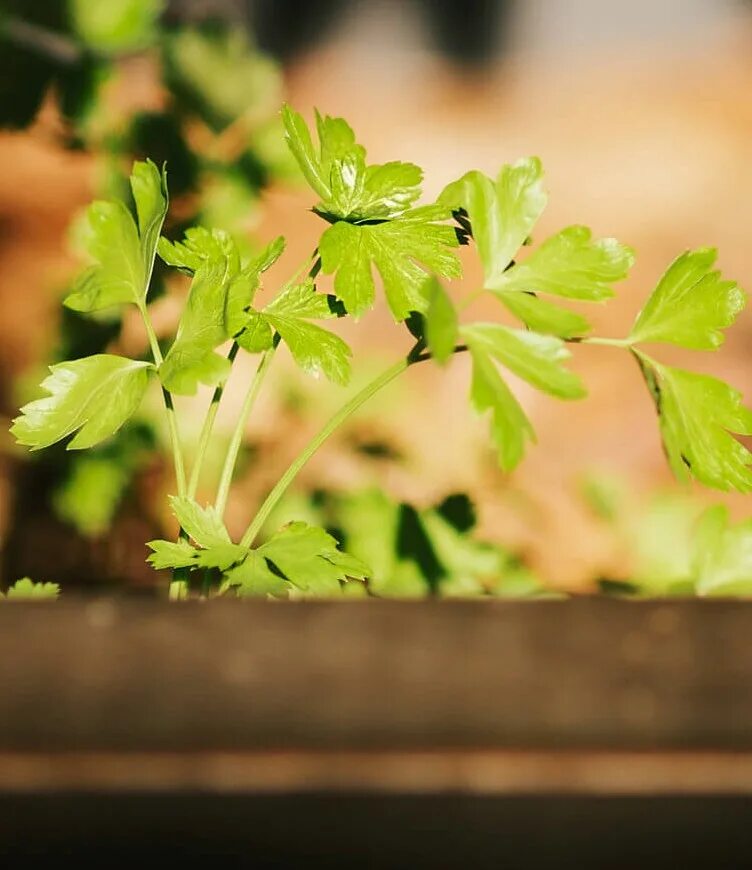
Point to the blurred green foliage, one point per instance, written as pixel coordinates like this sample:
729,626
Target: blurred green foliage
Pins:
217,128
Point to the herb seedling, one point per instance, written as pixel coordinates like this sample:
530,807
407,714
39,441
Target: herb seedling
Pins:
374,226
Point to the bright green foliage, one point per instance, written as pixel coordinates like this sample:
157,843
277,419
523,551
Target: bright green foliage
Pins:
92,397
220,295
305,556
203,525
116,25
199,247
192,358
172,554
691,305
572,265
441,322
375,227
26,589
123,250
401,250
375,223
698,414
502,213
543,316
314,349
510,427
535,358
300,558
723,554
337,171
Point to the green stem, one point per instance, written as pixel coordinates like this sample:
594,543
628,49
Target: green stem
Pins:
177,450
237,436
608,342
208,428
416,355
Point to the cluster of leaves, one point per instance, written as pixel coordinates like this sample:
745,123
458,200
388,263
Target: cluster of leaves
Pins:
374,225
300,559
415,552
675,545
26,589
217,127
690,307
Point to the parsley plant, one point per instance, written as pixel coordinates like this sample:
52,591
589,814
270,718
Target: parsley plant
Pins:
376,232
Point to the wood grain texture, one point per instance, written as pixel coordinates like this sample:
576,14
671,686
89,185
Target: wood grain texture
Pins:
109,675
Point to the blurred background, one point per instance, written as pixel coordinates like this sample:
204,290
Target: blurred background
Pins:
642,115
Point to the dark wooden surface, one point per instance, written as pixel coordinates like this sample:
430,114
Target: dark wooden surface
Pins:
584,734
109,675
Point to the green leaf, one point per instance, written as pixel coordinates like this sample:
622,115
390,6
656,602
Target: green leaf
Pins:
181,554
306,556
116,25
510,427
243,288
571,265
199,247
403,250
691,304
659,539
92,397
122,250
203,524
149,188
221,556
535,358
314,349
472,567
371,524
26,589
723,554
337,172
256,335
698,414
111,240
254,578
203,325
441,321
89,496
543,316
502,213
171,554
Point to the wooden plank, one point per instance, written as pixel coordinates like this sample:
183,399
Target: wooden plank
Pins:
480,773
110,675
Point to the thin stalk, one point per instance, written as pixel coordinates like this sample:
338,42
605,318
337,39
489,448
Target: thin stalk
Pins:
177,450
416,355
236,441
608,342
228,469
208,428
